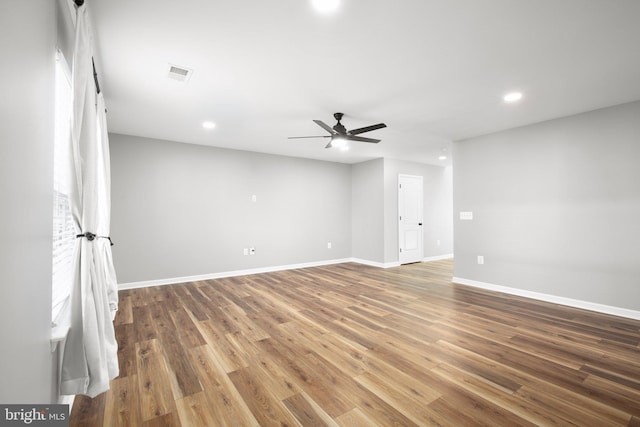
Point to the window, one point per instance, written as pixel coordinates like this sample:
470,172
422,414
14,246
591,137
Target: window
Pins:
63,227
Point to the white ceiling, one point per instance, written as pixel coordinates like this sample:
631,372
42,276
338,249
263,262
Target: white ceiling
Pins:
432,70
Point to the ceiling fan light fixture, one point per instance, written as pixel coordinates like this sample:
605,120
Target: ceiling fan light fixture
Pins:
325,6
338,142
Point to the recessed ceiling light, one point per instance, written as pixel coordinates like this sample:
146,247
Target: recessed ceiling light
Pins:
442,158
512,97
208,125
325,6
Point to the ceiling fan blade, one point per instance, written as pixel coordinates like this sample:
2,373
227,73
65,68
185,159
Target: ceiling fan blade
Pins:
301,137
367,129
325,126
361,139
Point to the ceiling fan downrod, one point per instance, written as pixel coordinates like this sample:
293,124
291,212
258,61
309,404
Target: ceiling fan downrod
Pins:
339,127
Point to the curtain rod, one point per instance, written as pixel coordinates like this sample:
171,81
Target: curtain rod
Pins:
95,76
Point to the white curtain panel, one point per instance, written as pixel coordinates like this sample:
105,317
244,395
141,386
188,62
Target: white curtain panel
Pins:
104,211
90,358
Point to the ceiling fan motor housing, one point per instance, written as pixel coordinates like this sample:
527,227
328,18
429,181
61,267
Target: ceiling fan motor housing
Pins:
339,127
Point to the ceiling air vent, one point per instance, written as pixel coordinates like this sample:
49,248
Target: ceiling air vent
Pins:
178,73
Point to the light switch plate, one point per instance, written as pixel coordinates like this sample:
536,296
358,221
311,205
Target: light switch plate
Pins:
466,215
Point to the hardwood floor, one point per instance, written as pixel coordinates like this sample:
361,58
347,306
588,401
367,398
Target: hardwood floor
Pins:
353,345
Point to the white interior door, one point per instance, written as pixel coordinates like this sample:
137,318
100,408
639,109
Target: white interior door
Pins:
410,218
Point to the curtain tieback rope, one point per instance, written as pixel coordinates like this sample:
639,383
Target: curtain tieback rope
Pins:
90,237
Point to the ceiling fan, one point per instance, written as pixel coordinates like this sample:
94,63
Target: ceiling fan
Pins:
340,135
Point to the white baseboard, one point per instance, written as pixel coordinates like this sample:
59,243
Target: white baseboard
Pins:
397,263
437,258
376,263
235,273
586,305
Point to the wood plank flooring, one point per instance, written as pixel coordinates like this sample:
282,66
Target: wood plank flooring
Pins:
352,345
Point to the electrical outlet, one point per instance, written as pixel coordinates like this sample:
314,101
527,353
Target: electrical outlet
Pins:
480,259
252,251
254,198
329,245
245,251
438,242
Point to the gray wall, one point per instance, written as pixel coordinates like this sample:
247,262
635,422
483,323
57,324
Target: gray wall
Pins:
182,210
27,43
367,210
556,207
437,207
